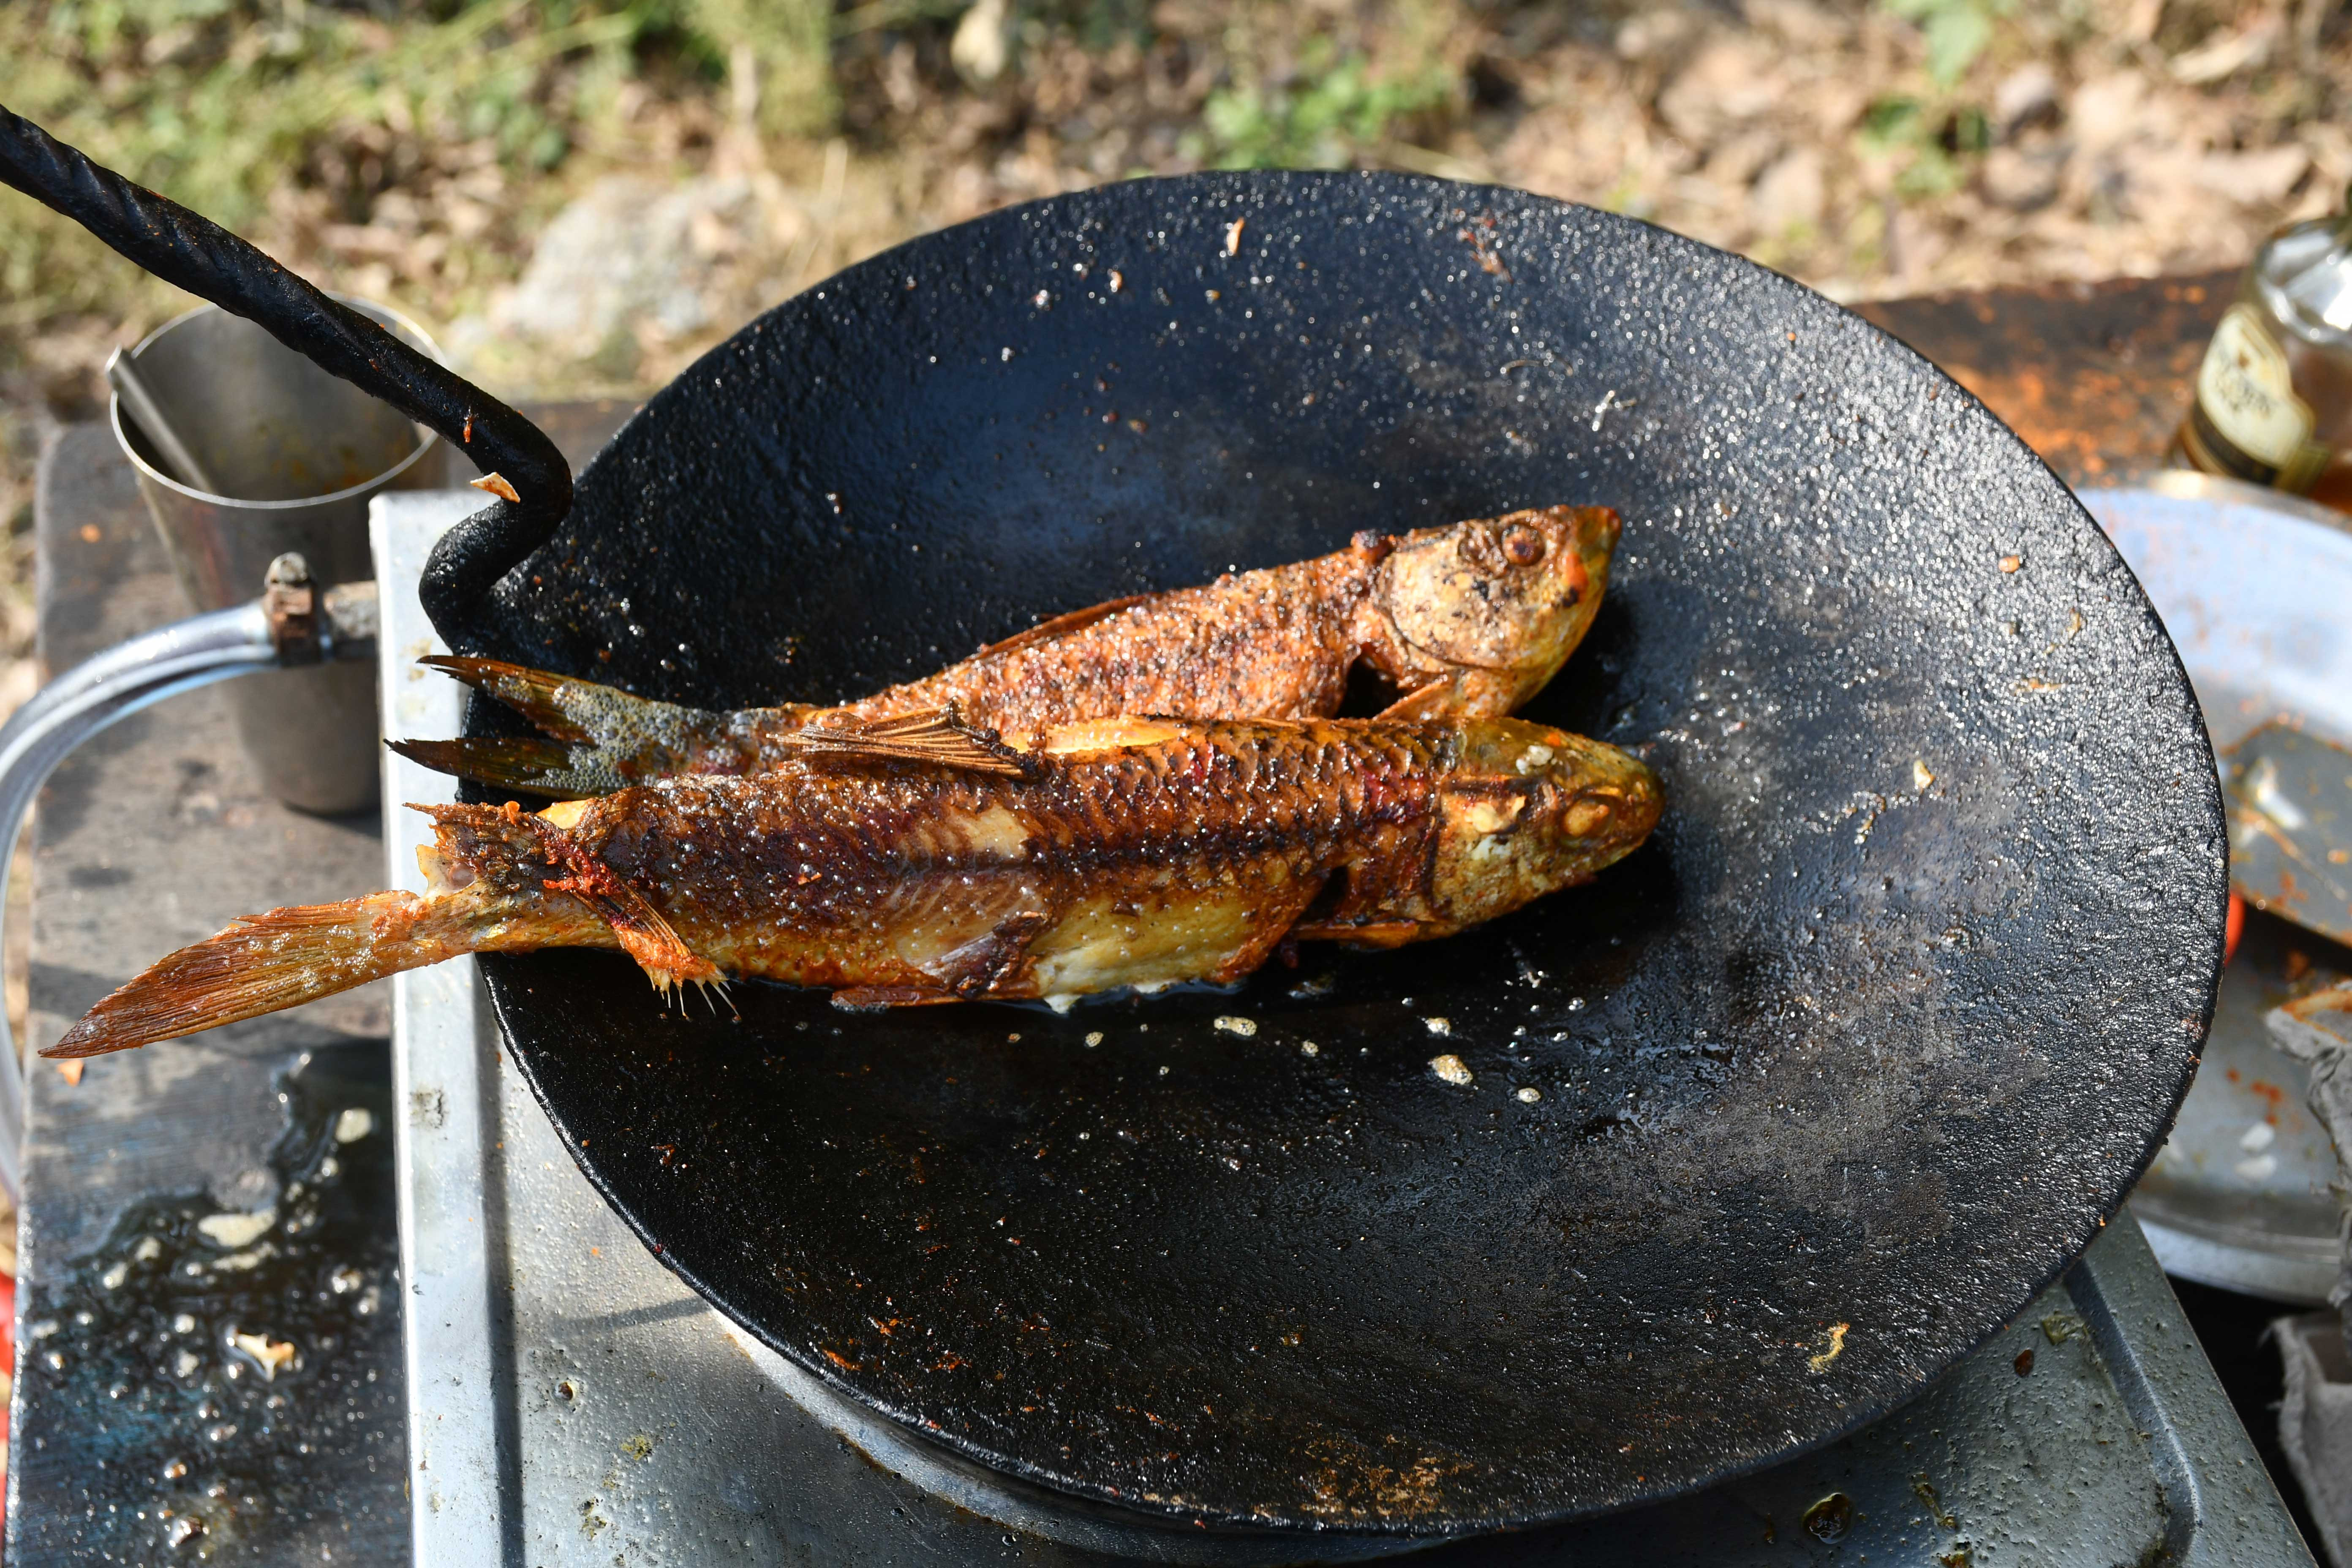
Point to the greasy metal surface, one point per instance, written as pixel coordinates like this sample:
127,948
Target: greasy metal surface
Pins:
156,829
162,1430
2291,826
2087,1430
2094,376
2252,587
452,1242
2250,584
2240,1195
1831,1077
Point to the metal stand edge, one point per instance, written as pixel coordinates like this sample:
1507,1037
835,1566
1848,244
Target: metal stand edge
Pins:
2225,1511
2229,1265
458,1475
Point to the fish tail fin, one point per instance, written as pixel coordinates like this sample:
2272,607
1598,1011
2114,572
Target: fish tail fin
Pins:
550,768
558,705
491,868
615,739
264,963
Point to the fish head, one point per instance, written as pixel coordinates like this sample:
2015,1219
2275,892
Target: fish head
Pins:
1527,810
1491,607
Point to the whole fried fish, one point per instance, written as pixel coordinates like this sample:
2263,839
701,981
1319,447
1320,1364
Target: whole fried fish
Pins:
1469,620
925,860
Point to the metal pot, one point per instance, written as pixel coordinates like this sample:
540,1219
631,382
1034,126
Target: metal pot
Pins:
297,453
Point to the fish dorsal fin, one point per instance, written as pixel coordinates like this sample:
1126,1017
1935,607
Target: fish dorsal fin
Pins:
940,738
1061,626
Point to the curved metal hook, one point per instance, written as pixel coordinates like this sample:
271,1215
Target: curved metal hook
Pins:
199,255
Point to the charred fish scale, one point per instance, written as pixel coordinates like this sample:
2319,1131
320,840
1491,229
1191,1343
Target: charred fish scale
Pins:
1126,853
1464,621
1223,799
1232,827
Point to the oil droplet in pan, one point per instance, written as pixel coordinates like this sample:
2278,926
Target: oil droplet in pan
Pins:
1830,1518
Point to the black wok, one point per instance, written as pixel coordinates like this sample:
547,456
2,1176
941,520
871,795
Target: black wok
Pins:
1830,1078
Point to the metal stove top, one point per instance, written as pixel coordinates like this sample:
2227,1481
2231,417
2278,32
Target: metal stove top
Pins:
571,1402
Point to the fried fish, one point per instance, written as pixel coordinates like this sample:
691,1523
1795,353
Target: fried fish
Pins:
1465,621
927,860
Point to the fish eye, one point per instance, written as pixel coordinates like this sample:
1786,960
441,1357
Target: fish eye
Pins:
1524,545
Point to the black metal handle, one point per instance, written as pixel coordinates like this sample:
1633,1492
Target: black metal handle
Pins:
199,255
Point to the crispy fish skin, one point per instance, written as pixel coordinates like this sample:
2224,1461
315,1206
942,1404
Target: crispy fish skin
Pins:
1140,853
1465,621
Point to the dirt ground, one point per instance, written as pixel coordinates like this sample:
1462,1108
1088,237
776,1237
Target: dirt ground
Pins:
1869,149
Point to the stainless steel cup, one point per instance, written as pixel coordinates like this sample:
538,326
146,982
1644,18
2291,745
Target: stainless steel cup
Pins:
298,453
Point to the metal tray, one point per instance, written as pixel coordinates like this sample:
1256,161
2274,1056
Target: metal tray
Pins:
2256,589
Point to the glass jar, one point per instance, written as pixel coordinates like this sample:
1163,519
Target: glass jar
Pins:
2274,401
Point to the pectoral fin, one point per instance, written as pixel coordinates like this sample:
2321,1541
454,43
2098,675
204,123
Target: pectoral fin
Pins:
940,738
639,928
879,998
1366,933
1434,700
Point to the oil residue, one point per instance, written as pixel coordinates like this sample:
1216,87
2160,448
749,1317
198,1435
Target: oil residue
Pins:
206,1403
1830,1518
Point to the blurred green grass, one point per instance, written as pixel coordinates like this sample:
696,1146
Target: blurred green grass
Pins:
415,150
227,105
236,106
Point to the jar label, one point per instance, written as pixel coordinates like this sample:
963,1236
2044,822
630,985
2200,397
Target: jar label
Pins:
2246,392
